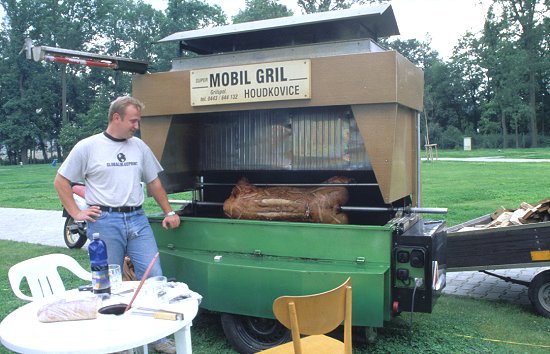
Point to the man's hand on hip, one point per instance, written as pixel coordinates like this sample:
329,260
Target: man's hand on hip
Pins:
89,214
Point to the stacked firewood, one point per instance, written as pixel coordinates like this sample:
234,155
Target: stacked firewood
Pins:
525,214
316,204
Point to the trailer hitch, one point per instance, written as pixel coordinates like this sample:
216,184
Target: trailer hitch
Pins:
507,279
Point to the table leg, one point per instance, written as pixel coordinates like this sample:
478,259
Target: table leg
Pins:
183,340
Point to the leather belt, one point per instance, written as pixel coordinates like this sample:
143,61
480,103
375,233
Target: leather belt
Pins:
122,209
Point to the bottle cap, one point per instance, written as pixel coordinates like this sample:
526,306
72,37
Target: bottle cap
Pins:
95,236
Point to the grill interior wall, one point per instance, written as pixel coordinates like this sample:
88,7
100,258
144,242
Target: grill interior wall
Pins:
305,145
298,139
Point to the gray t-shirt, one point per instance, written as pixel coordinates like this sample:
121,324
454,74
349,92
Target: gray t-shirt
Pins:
111,169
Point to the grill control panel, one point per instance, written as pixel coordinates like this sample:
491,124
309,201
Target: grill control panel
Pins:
419,266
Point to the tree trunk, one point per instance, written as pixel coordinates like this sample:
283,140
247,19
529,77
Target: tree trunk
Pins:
523,12
517,136
24,157
504,129
533,105
64,93
43,149
59,155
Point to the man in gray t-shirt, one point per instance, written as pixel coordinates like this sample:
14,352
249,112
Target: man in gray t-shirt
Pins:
113,164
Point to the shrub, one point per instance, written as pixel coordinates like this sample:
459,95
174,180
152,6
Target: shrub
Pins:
452,138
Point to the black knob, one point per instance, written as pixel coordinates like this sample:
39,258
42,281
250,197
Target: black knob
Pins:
403,257
417,258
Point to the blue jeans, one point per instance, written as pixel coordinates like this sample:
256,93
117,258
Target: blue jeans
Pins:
127,234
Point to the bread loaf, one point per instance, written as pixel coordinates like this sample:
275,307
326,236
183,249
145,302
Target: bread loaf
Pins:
69,310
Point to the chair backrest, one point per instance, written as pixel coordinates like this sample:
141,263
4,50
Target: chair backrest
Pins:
42,275
316,314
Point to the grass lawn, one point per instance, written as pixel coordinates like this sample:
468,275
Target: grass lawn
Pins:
472,189
457,325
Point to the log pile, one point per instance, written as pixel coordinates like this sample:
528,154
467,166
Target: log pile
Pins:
315,204
525,214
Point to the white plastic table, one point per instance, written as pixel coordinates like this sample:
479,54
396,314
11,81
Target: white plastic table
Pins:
21,331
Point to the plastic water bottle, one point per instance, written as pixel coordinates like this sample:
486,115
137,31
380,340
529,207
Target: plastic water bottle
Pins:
100,266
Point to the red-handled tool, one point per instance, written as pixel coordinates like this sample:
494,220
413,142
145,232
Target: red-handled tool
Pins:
145,275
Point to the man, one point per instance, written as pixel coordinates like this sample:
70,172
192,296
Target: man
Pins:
113,164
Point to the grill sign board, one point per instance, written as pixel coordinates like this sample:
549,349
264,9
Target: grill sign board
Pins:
286,80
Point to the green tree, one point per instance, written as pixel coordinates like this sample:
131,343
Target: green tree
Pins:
20,89
185,15
261,10
499,57
523,22
85,124
312,6
419,53
44,103
467,77
423,56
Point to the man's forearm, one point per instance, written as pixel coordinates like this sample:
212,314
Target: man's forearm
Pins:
171,220
159,194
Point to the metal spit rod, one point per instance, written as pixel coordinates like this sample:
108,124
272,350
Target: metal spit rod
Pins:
343,208
406,209
294,184
185,201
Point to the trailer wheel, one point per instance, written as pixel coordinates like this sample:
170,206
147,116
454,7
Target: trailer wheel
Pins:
73,240
539,293
249,335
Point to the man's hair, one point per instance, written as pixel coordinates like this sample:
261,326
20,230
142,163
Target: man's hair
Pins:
119,106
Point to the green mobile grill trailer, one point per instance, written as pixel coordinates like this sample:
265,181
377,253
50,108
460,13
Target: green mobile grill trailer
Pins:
293,102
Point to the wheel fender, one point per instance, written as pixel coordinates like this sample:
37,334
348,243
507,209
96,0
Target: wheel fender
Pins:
539,293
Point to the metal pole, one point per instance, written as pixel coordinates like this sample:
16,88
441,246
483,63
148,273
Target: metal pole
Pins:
418,164
343,208
429,210
184,201
295,184
384,209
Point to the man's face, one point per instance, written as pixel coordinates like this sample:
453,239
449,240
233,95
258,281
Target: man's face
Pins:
128,123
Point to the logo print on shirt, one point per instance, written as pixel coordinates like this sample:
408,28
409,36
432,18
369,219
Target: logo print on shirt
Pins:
121,161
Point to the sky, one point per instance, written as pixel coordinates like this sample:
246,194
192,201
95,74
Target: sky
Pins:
445,21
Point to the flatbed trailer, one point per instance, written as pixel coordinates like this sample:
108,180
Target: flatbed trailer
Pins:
517,246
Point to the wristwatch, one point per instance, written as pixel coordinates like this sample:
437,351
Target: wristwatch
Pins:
171,213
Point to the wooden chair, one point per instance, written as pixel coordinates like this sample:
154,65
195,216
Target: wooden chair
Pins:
42,275
315,315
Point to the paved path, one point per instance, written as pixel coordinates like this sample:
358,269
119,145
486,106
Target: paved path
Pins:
480,285
35,226
489,159
46,227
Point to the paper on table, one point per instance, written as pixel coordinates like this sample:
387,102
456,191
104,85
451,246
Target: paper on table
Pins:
176,293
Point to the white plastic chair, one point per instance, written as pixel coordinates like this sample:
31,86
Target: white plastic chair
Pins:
42,275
